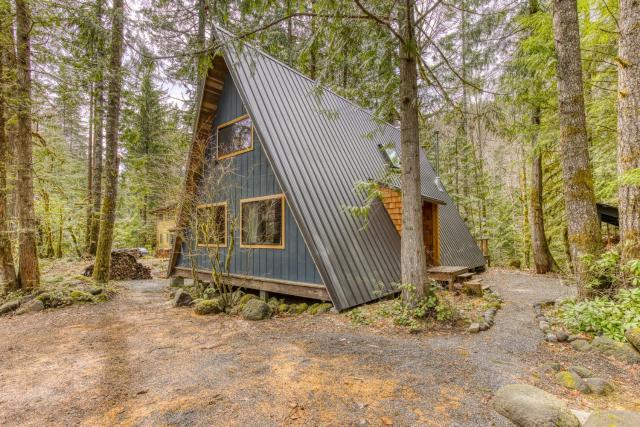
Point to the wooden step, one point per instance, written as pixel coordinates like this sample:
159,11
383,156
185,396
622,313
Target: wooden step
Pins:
465,276
472,287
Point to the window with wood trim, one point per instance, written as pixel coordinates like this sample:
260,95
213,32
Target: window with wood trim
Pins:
235,137
262,222
211,225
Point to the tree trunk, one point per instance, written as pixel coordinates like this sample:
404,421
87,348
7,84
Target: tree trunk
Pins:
108,214
7,269
96,189
629,127
413,258
89,218
28,272
98,136
582,217
542,257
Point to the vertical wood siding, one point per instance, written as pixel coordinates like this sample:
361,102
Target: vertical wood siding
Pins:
251,176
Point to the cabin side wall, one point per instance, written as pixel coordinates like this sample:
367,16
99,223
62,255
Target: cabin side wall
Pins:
247,175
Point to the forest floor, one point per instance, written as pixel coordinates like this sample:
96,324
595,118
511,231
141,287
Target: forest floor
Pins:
135,360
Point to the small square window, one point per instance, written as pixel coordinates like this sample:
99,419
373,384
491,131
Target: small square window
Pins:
235,137
211,225
262,222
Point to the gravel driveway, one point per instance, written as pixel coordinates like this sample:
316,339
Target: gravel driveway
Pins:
138,361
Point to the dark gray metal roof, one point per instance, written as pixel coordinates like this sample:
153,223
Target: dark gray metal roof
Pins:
320,145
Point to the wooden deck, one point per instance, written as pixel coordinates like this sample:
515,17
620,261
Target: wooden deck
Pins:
446,273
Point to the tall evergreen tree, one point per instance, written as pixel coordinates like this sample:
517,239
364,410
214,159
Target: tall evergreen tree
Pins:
629,128
108,213
28,270
582,218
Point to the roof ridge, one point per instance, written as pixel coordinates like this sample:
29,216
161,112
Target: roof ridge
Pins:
298,72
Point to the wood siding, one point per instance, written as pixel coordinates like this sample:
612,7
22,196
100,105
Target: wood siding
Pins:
392,201
251,176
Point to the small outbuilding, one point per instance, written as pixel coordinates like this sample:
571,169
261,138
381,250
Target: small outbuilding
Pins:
271,174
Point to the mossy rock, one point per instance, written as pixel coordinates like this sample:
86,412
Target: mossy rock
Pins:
283,308
298,308
208,306
572,381
96,290
256,309
81,296
53,299
325,307
633,336
246,298
313,309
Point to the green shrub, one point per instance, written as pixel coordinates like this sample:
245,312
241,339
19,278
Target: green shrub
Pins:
358,317
611,316
606,272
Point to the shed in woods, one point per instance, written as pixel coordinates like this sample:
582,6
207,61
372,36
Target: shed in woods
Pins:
274,162
165,225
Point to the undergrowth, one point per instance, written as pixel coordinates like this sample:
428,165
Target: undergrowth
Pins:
611,316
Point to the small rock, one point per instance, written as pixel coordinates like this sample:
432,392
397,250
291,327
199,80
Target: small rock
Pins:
581,345
182,298
562,336
572,381
209,306
613,418
572,338
256,309
551,366
599,386
582,415
96,290
30,307
551,338
9,306
474,328
633,336
544,326
624,352
484,326
537,309
528,406
581,371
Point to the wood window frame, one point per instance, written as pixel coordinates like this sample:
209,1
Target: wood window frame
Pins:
227,124
283,226
226,221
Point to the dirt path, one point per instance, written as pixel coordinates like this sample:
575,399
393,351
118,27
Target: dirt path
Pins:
138,361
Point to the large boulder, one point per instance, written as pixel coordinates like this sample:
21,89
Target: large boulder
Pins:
181,298
633,336
528,406
30,307
256,309
613,419
620,350
9,306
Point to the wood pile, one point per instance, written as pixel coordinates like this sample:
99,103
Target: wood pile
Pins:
124,266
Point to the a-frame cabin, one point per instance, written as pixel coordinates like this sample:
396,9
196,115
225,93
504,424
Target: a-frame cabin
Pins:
274,160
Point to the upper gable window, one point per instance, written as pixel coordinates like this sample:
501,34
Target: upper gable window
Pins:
390,155
235,137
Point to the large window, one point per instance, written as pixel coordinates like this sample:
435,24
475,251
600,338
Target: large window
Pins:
211,225
235,137
262,222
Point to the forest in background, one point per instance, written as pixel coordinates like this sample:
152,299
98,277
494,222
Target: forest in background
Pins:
487,99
